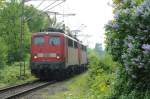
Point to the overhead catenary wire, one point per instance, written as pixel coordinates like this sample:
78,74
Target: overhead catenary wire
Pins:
50,5
56,5
42,11
40,0
21,7
38,6
40,3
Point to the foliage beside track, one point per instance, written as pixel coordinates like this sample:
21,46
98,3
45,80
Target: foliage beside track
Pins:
102,71
10,54
128,41
10,75
107,79
3,53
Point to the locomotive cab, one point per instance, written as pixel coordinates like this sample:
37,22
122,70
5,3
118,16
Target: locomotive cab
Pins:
47,51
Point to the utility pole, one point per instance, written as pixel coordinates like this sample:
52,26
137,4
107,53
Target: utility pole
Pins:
22,64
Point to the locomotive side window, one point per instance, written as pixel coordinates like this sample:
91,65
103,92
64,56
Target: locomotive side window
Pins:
70,42
75,45
85,48
39,40
82,47
54,41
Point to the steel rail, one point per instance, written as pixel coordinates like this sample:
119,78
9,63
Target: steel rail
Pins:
15,86
13,92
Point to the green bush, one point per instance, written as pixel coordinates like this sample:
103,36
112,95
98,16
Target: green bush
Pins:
3,53
128,41
101,76
109,80
10,75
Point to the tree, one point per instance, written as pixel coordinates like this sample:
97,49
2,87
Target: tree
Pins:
38,20
2,2
35,19
10,28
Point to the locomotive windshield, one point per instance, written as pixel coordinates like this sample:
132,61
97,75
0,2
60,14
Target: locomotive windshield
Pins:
39,40
54,40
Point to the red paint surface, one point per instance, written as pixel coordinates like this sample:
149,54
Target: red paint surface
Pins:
47,48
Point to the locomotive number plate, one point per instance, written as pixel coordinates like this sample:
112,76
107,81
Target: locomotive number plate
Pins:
40,55
52,55
46,55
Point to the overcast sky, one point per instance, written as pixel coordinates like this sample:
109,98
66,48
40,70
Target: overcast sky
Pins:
94,14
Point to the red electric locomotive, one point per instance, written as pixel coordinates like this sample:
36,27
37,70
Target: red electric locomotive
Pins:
55,55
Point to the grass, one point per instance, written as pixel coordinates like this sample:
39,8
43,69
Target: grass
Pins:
75,88
102,75
9,75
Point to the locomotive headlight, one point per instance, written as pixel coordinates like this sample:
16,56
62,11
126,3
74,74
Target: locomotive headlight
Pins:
58,57
35,57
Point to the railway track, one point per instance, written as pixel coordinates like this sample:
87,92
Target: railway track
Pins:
17,91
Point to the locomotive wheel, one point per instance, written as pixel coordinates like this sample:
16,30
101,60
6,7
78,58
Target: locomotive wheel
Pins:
59,75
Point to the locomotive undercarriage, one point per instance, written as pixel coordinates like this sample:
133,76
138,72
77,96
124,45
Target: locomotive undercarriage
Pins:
57,71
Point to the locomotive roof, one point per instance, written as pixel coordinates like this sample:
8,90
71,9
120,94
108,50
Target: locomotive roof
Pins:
43,33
